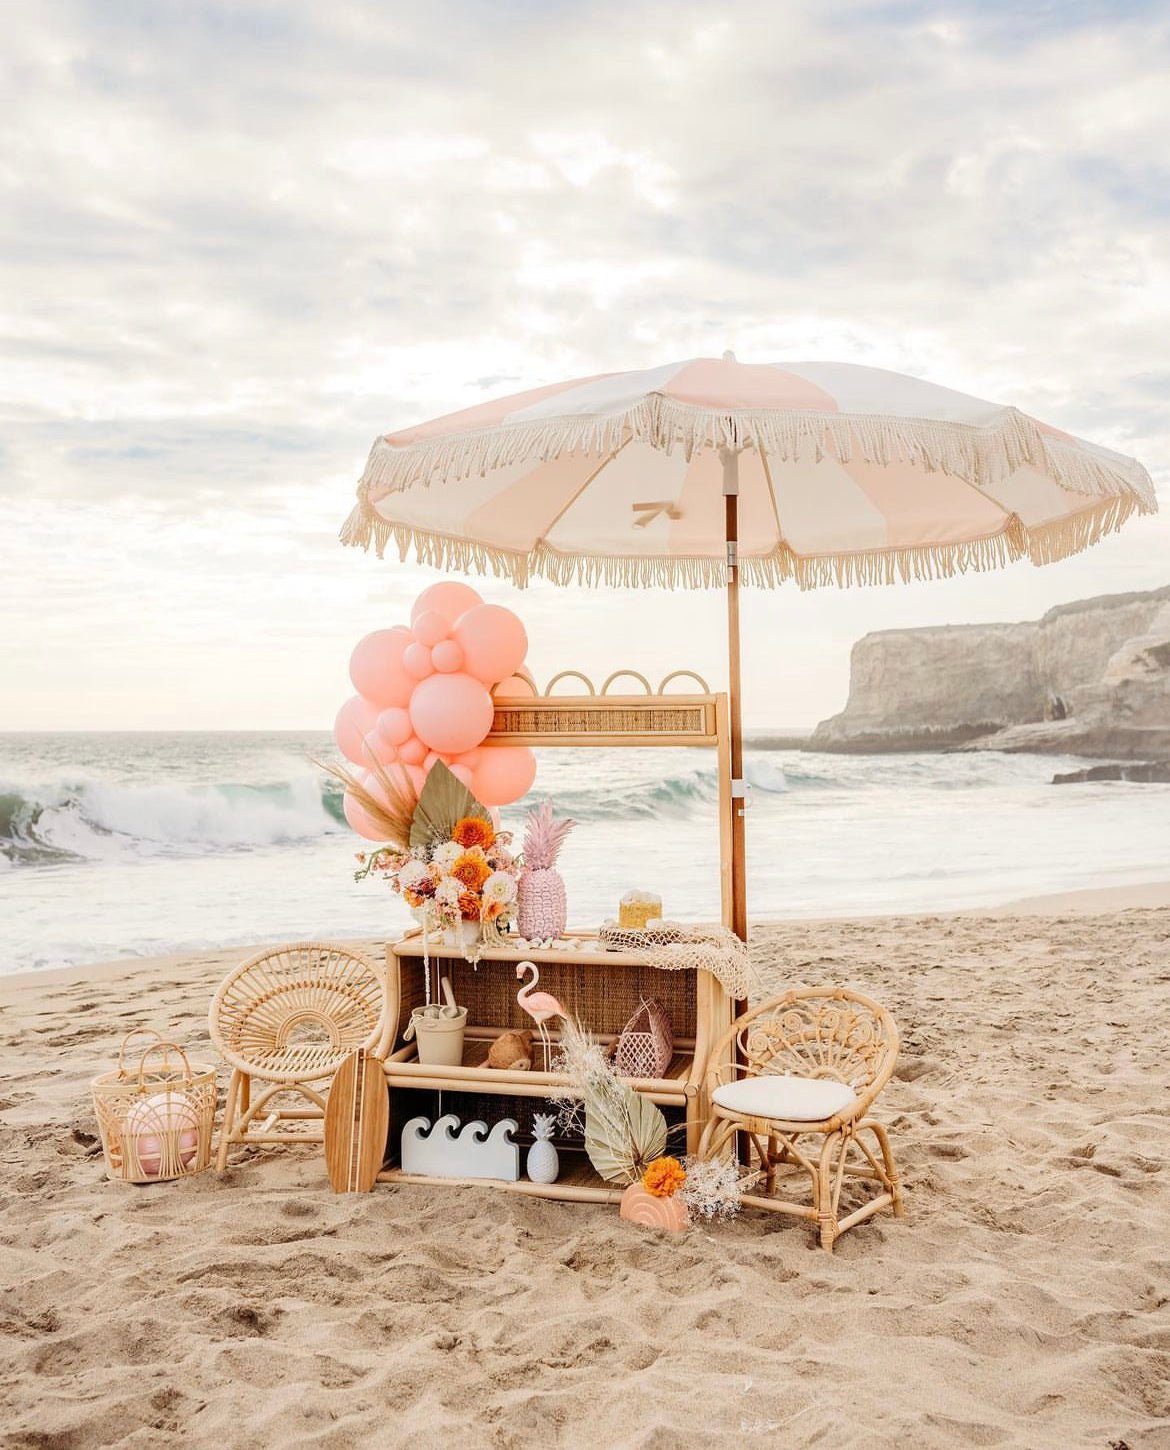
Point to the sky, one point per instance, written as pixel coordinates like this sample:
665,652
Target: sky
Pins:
237,241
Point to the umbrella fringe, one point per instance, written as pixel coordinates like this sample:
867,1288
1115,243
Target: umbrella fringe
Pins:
1042,544
980,455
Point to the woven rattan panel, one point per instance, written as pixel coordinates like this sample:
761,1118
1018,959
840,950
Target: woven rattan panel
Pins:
633,722
489,1108
604,1000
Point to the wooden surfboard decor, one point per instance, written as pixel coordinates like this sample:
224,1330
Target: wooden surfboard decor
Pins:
357,1121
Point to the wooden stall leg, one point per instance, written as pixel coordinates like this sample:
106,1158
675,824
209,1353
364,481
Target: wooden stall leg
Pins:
227,1125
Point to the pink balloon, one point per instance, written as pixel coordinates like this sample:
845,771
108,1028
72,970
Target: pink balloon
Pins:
400,777
355,720
375,667
394,726
430,627
448,598
469,758
494,642
447,657
451,713
463,775
358,819
416,661
504,774
379,748
412,751
514,687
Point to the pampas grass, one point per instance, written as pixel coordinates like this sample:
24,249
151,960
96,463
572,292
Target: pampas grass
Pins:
392,815
623,1130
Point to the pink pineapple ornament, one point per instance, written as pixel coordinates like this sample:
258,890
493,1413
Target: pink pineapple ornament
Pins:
541,907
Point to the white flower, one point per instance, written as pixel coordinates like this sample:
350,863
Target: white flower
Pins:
447,854
448,891
412,873
500,887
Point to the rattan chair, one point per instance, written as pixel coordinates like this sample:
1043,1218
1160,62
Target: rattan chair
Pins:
804,1066
289,1018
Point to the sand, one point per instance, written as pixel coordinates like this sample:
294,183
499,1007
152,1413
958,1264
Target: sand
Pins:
1024,1301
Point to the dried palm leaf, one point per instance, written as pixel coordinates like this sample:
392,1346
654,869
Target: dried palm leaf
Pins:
621,1143
623,1130
393,811
444,800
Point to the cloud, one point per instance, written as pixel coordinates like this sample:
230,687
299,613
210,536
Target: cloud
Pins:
236,242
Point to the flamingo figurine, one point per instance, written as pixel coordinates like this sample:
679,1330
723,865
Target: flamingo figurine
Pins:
540,1006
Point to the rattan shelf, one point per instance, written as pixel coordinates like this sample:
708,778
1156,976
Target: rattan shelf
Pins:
578,1182
602,988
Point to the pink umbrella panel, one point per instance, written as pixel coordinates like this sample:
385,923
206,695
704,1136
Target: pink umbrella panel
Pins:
847,474
700,473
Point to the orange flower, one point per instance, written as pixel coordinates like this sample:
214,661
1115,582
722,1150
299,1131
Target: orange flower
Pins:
469,906
474,831
664,1177
471,870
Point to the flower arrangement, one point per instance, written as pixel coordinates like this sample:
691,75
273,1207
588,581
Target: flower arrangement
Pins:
664,1177
468,876
713,1188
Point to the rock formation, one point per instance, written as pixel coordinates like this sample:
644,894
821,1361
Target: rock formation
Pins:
1091,678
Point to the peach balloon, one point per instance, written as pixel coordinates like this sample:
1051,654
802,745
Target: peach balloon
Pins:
394,726
448,598
356,718
493,640
359,820
469,758
447,656
413,751
504,774
463,775
375,667
451,713
514,687
430,627
379,748
416,661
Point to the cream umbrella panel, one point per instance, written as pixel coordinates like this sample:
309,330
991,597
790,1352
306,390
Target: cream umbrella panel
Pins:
711,472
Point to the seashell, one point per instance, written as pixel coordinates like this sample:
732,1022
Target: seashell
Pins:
511,1051
638,1206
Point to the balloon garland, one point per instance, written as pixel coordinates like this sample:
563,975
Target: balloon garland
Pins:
424,694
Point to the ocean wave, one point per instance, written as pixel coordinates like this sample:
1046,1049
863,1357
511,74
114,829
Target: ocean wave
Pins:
84,820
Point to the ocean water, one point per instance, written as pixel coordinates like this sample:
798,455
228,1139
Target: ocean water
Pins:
131,844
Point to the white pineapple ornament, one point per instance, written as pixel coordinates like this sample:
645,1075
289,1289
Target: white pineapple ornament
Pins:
543,1160
541,908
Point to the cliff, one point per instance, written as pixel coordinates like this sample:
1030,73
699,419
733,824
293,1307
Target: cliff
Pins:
1091,678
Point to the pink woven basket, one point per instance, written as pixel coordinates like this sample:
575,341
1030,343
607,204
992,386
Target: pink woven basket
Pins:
646,1044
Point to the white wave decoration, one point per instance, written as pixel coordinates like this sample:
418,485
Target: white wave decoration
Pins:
445,1151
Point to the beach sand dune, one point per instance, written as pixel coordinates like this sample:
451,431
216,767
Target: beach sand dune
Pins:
1023,1302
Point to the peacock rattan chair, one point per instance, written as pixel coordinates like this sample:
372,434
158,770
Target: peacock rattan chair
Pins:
289,1017
808,1063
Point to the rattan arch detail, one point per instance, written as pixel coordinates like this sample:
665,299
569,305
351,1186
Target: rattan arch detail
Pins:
289,1017
812,1032
704,687
569,675
626,675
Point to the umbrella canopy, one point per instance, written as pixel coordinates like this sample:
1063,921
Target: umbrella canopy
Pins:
700,472
847,474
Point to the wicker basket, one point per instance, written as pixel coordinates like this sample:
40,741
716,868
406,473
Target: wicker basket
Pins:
646,1044
156,1123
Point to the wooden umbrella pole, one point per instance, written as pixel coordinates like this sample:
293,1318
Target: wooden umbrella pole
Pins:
730,461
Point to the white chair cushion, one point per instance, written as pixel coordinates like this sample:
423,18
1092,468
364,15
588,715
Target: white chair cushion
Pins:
792,1099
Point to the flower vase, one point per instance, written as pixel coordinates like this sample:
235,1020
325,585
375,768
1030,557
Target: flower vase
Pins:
462,935
638,1206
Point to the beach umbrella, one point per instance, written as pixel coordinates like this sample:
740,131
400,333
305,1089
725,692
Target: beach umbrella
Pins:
713,473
